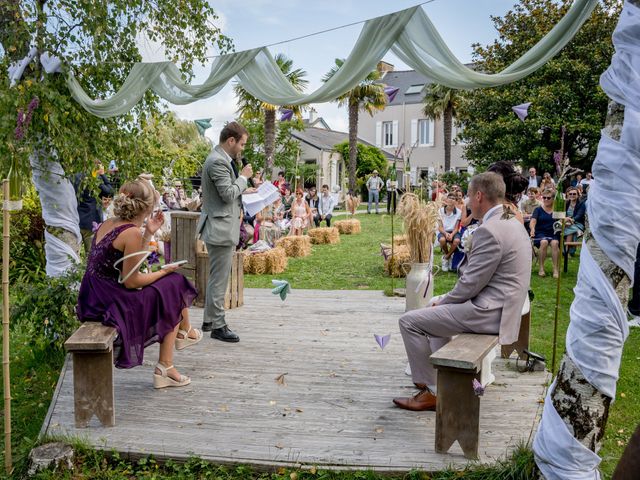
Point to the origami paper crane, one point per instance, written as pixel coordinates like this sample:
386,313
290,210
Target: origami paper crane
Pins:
521,110
286,115
382,340
282,287
391,93
478,389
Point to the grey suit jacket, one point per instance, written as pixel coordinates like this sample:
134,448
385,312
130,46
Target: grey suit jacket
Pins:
219,222
497,272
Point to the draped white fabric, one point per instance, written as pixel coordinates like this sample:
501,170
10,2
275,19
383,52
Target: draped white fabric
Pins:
59,209
409,33
599,326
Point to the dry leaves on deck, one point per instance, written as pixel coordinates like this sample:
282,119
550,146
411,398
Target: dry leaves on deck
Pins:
280,379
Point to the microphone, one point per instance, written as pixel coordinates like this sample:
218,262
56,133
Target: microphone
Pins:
244,164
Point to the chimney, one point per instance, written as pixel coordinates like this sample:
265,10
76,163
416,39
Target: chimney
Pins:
384,67
312,115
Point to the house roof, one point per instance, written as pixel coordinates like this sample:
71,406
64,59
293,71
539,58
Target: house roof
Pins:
404,80
318,121
326,139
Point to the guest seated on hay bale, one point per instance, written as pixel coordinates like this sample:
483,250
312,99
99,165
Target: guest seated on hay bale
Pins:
325,207
300,214
265,227
287,201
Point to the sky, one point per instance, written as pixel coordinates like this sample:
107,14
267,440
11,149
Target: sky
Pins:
263,22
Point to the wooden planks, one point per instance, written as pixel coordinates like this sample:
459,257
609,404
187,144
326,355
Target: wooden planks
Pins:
91,336
465,351
334,409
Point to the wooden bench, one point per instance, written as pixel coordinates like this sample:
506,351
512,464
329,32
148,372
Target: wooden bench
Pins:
92,348
459,362
565,253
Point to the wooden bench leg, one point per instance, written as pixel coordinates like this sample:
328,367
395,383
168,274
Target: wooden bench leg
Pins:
93,387
522,343
457,412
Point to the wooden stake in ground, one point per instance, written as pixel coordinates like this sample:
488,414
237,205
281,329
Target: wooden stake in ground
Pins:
5,327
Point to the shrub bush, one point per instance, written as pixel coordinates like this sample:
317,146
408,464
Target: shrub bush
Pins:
46,309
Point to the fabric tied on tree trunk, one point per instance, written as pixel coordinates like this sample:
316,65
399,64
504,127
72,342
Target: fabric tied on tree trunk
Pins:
599,327
559,455
59,209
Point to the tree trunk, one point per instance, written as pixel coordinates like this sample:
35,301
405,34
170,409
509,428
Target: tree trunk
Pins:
269,139
447,125
353,146
580,405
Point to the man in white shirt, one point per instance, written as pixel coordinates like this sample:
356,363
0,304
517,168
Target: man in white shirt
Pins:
325,208
374,184
534,181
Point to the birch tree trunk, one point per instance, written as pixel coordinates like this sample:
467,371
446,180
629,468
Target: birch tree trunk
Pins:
579,401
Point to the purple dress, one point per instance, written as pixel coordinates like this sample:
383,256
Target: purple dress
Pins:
141,316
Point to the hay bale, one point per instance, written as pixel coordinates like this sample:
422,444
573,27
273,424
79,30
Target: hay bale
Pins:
399,240
348,227
295,245
394,266
324,235
269,262
276,260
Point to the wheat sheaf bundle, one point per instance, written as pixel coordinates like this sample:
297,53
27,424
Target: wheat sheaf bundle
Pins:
420,226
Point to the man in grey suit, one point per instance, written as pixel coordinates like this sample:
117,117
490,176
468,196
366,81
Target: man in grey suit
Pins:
219,225
488,297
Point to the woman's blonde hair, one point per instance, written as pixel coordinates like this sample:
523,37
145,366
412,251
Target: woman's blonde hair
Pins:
133,199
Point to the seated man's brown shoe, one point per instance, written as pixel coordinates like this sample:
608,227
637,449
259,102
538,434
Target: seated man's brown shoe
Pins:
421,401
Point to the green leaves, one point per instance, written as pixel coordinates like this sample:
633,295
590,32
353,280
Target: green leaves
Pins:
564,92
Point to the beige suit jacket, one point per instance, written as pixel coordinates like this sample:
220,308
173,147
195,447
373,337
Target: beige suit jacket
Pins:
497,272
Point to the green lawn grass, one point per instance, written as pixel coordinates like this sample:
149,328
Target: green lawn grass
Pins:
355,263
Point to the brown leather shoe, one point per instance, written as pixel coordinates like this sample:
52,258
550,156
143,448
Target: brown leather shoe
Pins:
421,401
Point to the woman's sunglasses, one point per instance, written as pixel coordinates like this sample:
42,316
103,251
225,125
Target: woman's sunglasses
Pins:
547,198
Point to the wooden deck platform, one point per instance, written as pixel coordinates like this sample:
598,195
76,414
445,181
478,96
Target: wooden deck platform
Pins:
332,407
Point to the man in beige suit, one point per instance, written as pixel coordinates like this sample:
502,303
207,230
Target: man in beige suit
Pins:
488,297
219,225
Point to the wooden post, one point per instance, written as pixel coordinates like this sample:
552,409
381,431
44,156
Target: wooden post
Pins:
555,318
6,218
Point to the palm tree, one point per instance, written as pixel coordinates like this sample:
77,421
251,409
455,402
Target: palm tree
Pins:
442,102
369,96
250,108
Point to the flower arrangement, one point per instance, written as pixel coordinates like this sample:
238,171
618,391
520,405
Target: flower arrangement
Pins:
420,225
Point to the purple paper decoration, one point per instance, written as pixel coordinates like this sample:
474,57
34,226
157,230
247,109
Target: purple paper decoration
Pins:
382,340
391,93
286,115
522,110
478,389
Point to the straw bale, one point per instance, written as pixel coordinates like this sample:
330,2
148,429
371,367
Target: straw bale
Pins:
400,240
295,245
394,266
324,235
271,261
348,227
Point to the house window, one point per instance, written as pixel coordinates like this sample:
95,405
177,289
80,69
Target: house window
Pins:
387,134
425,132
414,89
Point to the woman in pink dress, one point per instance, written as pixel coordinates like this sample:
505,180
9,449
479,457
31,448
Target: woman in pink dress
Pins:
300,214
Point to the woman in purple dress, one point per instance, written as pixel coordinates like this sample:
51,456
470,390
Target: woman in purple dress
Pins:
144,308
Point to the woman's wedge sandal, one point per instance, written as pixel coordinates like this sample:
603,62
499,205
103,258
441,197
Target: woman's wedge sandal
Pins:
163,380
186,341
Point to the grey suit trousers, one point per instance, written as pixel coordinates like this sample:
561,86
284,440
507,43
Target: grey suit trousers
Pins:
220,259
426,330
